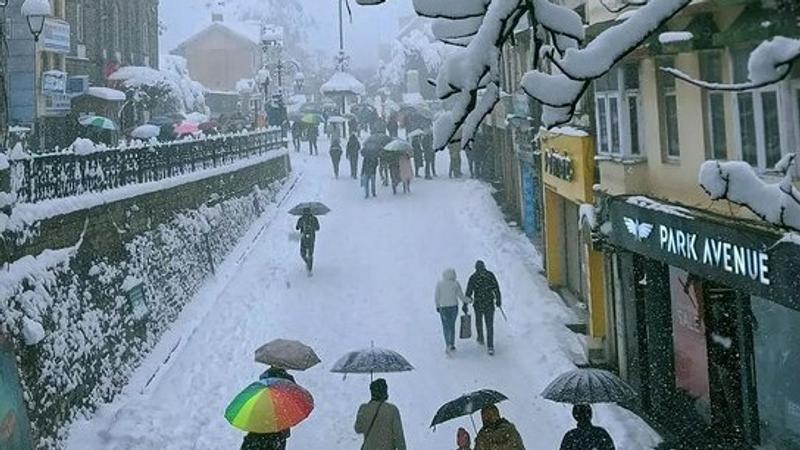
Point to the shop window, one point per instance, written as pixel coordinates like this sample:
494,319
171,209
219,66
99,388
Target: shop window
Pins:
617,111
668,114
714,104
763,131
776,344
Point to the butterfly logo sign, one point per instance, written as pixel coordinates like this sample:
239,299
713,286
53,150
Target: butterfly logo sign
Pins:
639,230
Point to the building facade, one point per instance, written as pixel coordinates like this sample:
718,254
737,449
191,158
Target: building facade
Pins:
703,302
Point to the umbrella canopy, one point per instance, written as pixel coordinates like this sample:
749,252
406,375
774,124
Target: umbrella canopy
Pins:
311,118
269,405
146,132
317,208
586,386
374,144
186,128
399,146
372,360
98,122
336,119
466,405
287,354
311,108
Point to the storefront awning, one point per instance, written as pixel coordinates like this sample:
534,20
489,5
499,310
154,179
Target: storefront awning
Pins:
107,94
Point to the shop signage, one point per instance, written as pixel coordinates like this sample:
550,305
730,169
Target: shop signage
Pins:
559,165
57,104
54,82
56,36
716,248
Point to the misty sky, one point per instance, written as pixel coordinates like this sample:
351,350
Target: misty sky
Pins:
371,25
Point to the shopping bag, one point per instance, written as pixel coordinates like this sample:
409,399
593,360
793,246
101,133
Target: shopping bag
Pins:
466,327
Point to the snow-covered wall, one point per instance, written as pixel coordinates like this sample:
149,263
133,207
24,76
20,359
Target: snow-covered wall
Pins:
82,316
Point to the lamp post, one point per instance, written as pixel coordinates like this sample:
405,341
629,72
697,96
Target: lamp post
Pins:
263,78
4,124
36,12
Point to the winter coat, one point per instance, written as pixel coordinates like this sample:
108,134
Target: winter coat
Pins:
369,166
387,429
406,172
483,288
269,441
307,226
416,143
353,147
448,290
501,435
587,437
336,149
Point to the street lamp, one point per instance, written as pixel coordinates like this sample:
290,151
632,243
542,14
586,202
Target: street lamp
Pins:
35,12
263,78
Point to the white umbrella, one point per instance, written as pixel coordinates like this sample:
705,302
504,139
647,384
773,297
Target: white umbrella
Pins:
145,132
196,117
400,146
336,119
415,133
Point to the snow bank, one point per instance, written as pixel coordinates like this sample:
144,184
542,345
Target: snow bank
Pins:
83,146
32,331
737,182
649,203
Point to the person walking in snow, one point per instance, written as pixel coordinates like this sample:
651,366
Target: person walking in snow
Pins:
313,134
586,435
308,225
392,126
393,166
484,291
379,421
430,155
297,131
455,160
406,172
447,297
463,440
353,147
269,441
336,155
497,433
419,162
369,169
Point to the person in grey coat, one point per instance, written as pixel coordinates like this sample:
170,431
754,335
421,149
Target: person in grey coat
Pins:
379,421
448,294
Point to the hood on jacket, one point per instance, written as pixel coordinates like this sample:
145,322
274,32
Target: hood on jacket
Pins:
449,275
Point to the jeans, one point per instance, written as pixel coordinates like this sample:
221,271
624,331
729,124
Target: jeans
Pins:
369,181
449,314
353,166
485,315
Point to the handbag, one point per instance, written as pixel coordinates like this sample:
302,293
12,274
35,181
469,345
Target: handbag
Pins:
466,327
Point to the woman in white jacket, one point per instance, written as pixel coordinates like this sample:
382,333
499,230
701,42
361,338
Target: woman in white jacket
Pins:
448,294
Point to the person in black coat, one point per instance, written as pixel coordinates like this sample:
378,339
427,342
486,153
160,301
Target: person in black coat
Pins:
336,154
484,290
429,155
369,169
416,143
586,435
353,147
307,225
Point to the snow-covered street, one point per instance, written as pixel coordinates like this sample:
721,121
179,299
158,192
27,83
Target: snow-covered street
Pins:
377,263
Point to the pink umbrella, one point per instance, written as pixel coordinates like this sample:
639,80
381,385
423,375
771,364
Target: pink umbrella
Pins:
185,128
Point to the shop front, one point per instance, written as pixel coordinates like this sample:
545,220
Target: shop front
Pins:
707,310
573,267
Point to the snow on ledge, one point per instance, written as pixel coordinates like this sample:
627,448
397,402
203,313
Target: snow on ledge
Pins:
105,93
342,83
648,203
26,214
671,37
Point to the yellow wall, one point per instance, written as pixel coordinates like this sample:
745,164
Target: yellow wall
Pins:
581,151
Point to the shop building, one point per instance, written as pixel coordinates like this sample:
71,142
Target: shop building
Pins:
574,268
708,313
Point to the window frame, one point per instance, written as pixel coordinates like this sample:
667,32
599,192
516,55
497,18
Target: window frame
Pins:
664,93
621,95
708,106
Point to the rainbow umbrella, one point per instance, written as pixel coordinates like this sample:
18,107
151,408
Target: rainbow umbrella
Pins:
269,405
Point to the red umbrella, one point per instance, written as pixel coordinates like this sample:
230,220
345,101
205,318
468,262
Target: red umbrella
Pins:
185,128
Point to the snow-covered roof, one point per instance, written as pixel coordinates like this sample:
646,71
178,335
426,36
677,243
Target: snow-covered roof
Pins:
670,37
105,93
342,83
249,32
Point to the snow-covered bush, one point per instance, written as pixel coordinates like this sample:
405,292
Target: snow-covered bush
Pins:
170,89
417,50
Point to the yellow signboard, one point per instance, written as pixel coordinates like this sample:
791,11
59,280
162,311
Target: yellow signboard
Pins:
568,165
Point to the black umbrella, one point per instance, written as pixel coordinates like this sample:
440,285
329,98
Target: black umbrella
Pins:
317,209
372,360
466,405
374,144
586,386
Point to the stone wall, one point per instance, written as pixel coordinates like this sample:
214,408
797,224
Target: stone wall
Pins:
83,316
